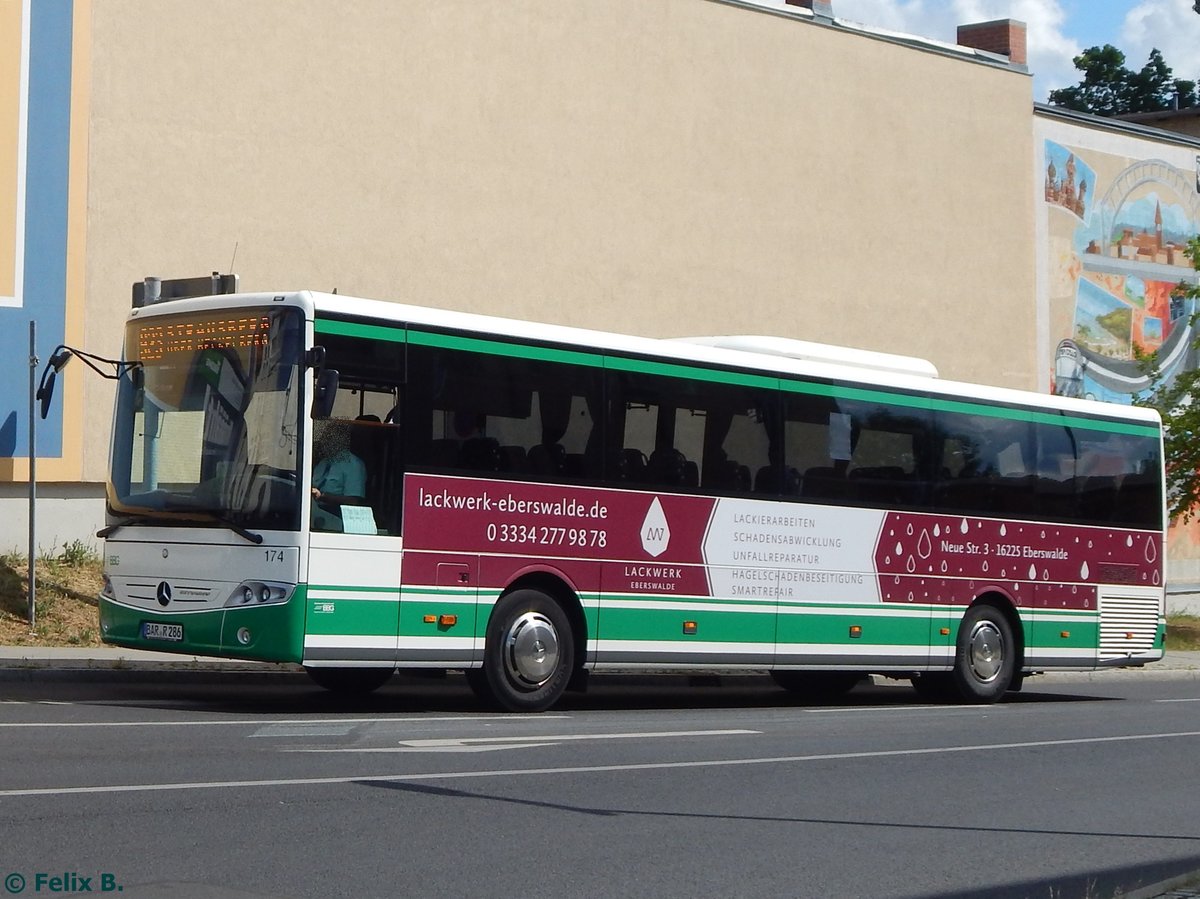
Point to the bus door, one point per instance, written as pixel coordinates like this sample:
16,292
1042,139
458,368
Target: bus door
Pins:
353,607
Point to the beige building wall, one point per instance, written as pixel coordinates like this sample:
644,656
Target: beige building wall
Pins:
660,167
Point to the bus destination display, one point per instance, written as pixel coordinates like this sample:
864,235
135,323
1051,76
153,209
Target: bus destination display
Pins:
188,336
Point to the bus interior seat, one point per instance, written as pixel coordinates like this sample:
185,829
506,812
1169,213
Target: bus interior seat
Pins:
513,458
667,467
792,481
443,453
767,480
823,482
629,465
547,458
730,475
480,454
880,484
575,464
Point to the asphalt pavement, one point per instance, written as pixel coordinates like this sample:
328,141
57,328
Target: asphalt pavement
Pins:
30,663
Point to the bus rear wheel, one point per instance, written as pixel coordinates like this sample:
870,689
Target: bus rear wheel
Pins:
529,653
817,685
984,656
350,681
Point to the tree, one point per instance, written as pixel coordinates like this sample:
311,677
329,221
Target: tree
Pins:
1178,402
1108,88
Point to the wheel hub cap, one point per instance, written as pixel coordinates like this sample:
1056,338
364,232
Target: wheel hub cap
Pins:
987,651
531,649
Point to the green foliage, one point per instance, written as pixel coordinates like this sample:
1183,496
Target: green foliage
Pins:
77,553
1108,88
1178,402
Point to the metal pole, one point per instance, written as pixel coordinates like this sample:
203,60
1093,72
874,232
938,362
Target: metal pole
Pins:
33,364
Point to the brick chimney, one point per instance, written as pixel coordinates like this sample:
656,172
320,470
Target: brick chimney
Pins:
819,7
1003,36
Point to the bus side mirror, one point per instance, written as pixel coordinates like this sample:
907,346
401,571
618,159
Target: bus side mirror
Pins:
45,391
326,391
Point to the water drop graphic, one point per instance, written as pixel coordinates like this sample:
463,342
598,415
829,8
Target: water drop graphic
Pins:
655,532
1083,572
1151,550
924,545
910,529
911,565
943,566
964,527
937,531
1045,575
1003,530
1033,572
985,567
899,548
1129,540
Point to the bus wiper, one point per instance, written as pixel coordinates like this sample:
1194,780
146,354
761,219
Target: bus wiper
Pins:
146,519
124,523
239,530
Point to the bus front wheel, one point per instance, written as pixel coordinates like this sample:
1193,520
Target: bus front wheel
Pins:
985,655
529,653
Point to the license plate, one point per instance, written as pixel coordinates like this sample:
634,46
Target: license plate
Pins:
156,630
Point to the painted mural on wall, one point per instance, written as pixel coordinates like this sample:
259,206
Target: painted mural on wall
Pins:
1117,231
1116,226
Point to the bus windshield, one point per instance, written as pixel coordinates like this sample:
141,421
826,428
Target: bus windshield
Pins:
207,418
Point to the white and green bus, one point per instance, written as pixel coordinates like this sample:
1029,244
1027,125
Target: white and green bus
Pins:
361,486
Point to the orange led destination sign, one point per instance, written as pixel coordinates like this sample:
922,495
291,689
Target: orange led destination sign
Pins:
158,341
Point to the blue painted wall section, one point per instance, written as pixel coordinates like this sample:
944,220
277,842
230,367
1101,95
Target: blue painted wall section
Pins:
46,181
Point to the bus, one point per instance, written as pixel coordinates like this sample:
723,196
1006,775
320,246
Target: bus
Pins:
360,486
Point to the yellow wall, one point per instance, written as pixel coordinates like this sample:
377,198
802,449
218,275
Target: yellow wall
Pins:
662,167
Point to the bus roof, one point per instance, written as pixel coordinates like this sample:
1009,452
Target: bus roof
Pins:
772,355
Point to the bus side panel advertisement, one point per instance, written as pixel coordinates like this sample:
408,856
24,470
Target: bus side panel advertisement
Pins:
730,548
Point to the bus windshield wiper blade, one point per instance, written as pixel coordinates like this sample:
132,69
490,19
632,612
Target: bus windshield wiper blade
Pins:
124,523
168,522
239,530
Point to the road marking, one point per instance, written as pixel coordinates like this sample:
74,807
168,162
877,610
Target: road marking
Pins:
329,729
579,769
492,744
896,708
499,716
1191,699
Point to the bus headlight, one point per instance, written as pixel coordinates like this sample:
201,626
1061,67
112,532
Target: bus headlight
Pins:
259,593
107,591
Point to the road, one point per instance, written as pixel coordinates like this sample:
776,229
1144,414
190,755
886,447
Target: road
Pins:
224,786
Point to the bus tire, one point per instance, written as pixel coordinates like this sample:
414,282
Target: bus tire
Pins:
817,685
985,655
529,653
350,681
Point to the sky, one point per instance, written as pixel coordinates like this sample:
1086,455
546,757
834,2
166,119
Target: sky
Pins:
1058,29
